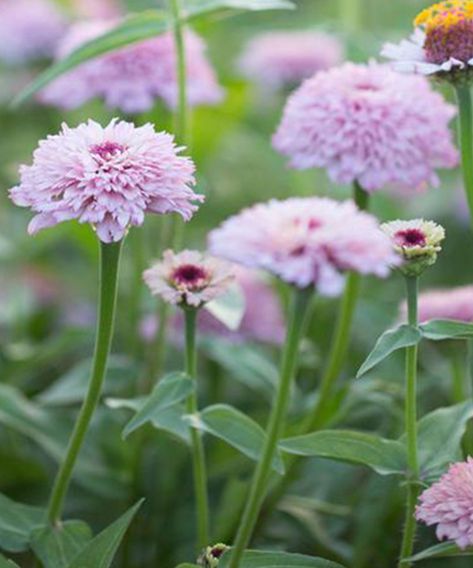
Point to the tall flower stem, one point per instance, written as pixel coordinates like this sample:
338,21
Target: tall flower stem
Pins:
465,107
259,484
198,454
108,280
412,284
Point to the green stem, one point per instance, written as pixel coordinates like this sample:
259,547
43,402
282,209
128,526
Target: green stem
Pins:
108,280
351,15
198,454
259,484
458,362
412,284
465,115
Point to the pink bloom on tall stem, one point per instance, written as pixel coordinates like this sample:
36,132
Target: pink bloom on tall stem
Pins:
132,78
106,176
306,242
448,503
369,124
449,303
285,58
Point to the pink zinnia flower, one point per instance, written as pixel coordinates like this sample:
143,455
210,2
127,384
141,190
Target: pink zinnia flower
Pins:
133,77
188,278
368,124
276,59
448,503
29,30
97,8
107,176
306,241
451,303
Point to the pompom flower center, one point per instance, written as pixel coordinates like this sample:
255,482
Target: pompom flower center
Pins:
410,238
107,150
190,276
449,31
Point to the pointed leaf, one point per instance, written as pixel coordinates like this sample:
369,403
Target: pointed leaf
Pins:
442,550
56,547
169,391
17,521
438,330
99,552
262,559
235,428
383,456
391,341
229,308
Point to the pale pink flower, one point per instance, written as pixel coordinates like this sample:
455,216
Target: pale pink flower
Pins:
368,124
29,30
97,8
133,77
448,503
448,303
106,176
188,278
285,58
415,237
306,242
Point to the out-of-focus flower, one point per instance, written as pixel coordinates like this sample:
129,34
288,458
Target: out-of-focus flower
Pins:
29,30
277,59
368,124
441,44
189,278
449,303
132,78
306,242
448,503
106,176
97,8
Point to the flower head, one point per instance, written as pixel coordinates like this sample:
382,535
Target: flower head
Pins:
451,303
132,78
277,59
188,278
448,503
418,242
442,43
210,557
29,30
306,242
106,176
368,124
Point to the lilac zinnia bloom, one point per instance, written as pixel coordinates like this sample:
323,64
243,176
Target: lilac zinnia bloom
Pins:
369,124
449,303
276,59
132,78
30,30
448,503
106,176
306,242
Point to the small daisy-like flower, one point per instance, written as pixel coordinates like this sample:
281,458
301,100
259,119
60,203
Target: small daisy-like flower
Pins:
132,78
451,303
210,557
274,60
106,176
417,241
448,503
369,124
442,43
306,242
188,278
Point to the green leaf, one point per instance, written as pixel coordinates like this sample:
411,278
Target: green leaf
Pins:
5,563
194,8
229,308
235,428
56,547
391,341
17,521
442,550
438,330
168,392
386,457
262,559
99,552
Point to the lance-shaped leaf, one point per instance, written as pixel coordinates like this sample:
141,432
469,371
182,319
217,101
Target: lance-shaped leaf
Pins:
438,330
443,550
391,341
57,546
262,559
383,456
17,522
195,8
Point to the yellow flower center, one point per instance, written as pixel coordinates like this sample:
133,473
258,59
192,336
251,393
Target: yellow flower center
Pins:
445,15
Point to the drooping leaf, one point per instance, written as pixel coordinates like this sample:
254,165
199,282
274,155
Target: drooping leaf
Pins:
391,341
442,550
383,456
171,390
56,547
17,521
262,559
438,330
228,308
100,551
235,428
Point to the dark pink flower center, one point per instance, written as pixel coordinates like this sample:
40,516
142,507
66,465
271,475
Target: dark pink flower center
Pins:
190,276
410,238
106,150
444,42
